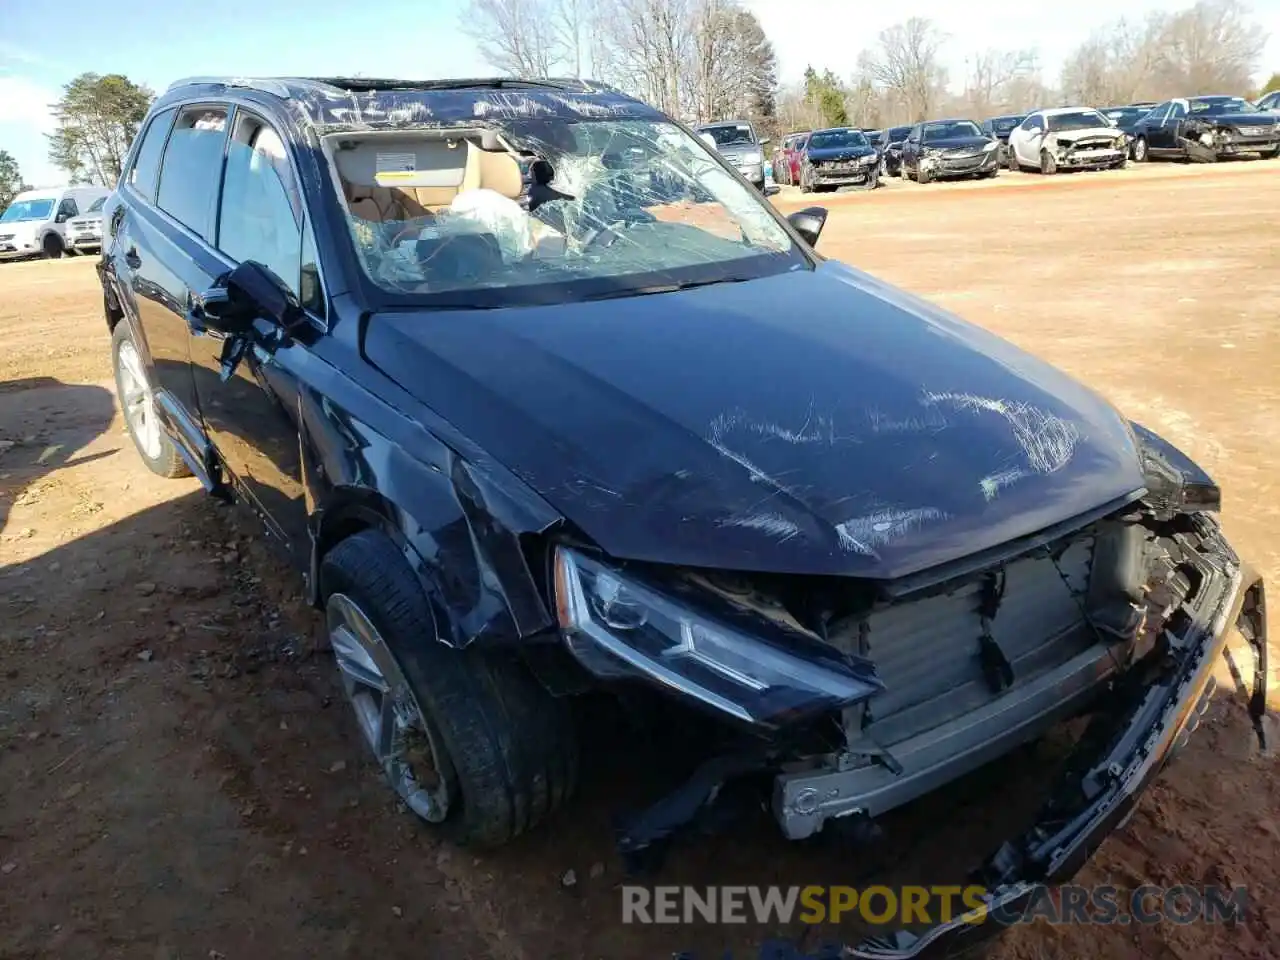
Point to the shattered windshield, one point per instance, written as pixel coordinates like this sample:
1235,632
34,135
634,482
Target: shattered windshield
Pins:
727,133
27,210
1222,105
1080,120
835,139
550,210
947,129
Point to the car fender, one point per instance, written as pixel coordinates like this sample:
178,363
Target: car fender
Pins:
458,520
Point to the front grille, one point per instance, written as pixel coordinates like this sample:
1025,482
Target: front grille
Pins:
927,651
963,163
1254,131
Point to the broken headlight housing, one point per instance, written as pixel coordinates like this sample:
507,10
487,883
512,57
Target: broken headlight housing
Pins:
618,627
1175,483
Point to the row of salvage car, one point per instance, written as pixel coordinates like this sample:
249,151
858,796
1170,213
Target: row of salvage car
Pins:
1202,129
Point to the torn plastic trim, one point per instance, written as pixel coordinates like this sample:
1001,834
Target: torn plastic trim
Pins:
1157,725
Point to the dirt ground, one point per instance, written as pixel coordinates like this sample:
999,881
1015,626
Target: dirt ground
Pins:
179,777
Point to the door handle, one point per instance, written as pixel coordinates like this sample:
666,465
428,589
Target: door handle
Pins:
132,259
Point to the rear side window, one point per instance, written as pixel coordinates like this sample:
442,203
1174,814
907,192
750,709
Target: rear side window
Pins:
260,215
146,165
192,162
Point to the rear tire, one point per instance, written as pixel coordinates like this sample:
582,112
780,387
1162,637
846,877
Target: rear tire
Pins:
501,748
51,247
137,403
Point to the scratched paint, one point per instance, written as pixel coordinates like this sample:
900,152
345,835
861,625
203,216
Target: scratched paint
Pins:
770,524
1047,441
863,534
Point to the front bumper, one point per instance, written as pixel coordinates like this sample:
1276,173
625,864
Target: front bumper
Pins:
1239,145
1155,722
15,249
845,176
754,172
1090,159
85,241
965,166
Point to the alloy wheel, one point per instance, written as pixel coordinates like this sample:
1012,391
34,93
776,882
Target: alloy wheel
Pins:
137,400
389,715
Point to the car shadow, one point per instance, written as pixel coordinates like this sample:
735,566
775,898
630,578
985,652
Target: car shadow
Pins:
171,683
45,426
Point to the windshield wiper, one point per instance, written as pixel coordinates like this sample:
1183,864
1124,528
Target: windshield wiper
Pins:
661,288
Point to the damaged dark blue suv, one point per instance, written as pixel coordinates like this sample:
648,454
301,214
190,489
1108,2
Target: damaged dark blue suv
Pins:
513,371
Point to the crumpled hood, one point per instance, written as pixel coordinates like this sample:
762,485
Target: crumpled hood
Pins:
1068,137
869,434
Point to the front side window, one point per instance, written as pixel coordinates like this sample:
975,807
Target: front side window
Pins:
68,208
145,171
1178,112
947,129
260,211
189,171
27,210
96,206
618,206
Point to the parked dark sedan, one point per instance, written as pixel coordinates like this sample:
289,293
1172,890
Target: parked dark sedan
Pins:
889,146
1205,129
838,157
998,128
949,148
637,435
1127,118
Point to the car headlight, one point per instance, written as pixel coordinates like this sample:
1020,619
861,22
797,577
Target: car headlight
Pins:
617,626
1175,483
991,145
931,152
869,158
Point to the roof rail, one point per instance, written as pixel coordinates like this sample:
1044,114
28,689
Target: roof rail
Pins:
265,84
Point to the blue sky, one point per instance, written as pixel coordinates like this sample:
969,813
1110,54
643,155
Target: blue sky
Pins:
44,44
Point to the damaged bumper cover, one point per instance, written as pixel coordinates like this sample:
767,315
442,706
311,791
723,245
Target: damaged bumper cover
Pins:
1108,773
844,175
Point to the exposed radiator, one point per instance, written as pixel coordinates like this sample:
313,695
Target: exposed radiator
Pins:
927,651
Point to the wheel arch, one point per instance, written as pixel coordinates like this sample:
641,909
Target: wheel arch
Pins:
469,533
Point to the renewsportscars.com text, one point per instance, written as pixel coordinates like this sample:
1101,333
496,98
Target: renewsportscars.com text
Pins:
904,906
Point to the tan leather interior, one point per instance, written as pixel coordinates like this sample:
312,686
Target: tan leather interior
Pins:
494,170
480,169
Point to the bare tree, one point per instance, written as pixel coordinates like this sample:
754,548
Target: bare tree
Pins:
997,80
1212,47
572,26
645,45
732,69
518,37
906,65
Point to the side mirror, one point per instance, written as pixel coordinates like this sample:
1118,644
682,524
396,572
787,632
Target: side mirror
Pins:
766,140
62,217
239,298
809,223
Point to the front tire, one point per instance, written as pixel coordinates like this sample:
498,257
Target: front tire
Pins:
137,403
1140,154
51,247
1048,165
469,740
1011,160
923,175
